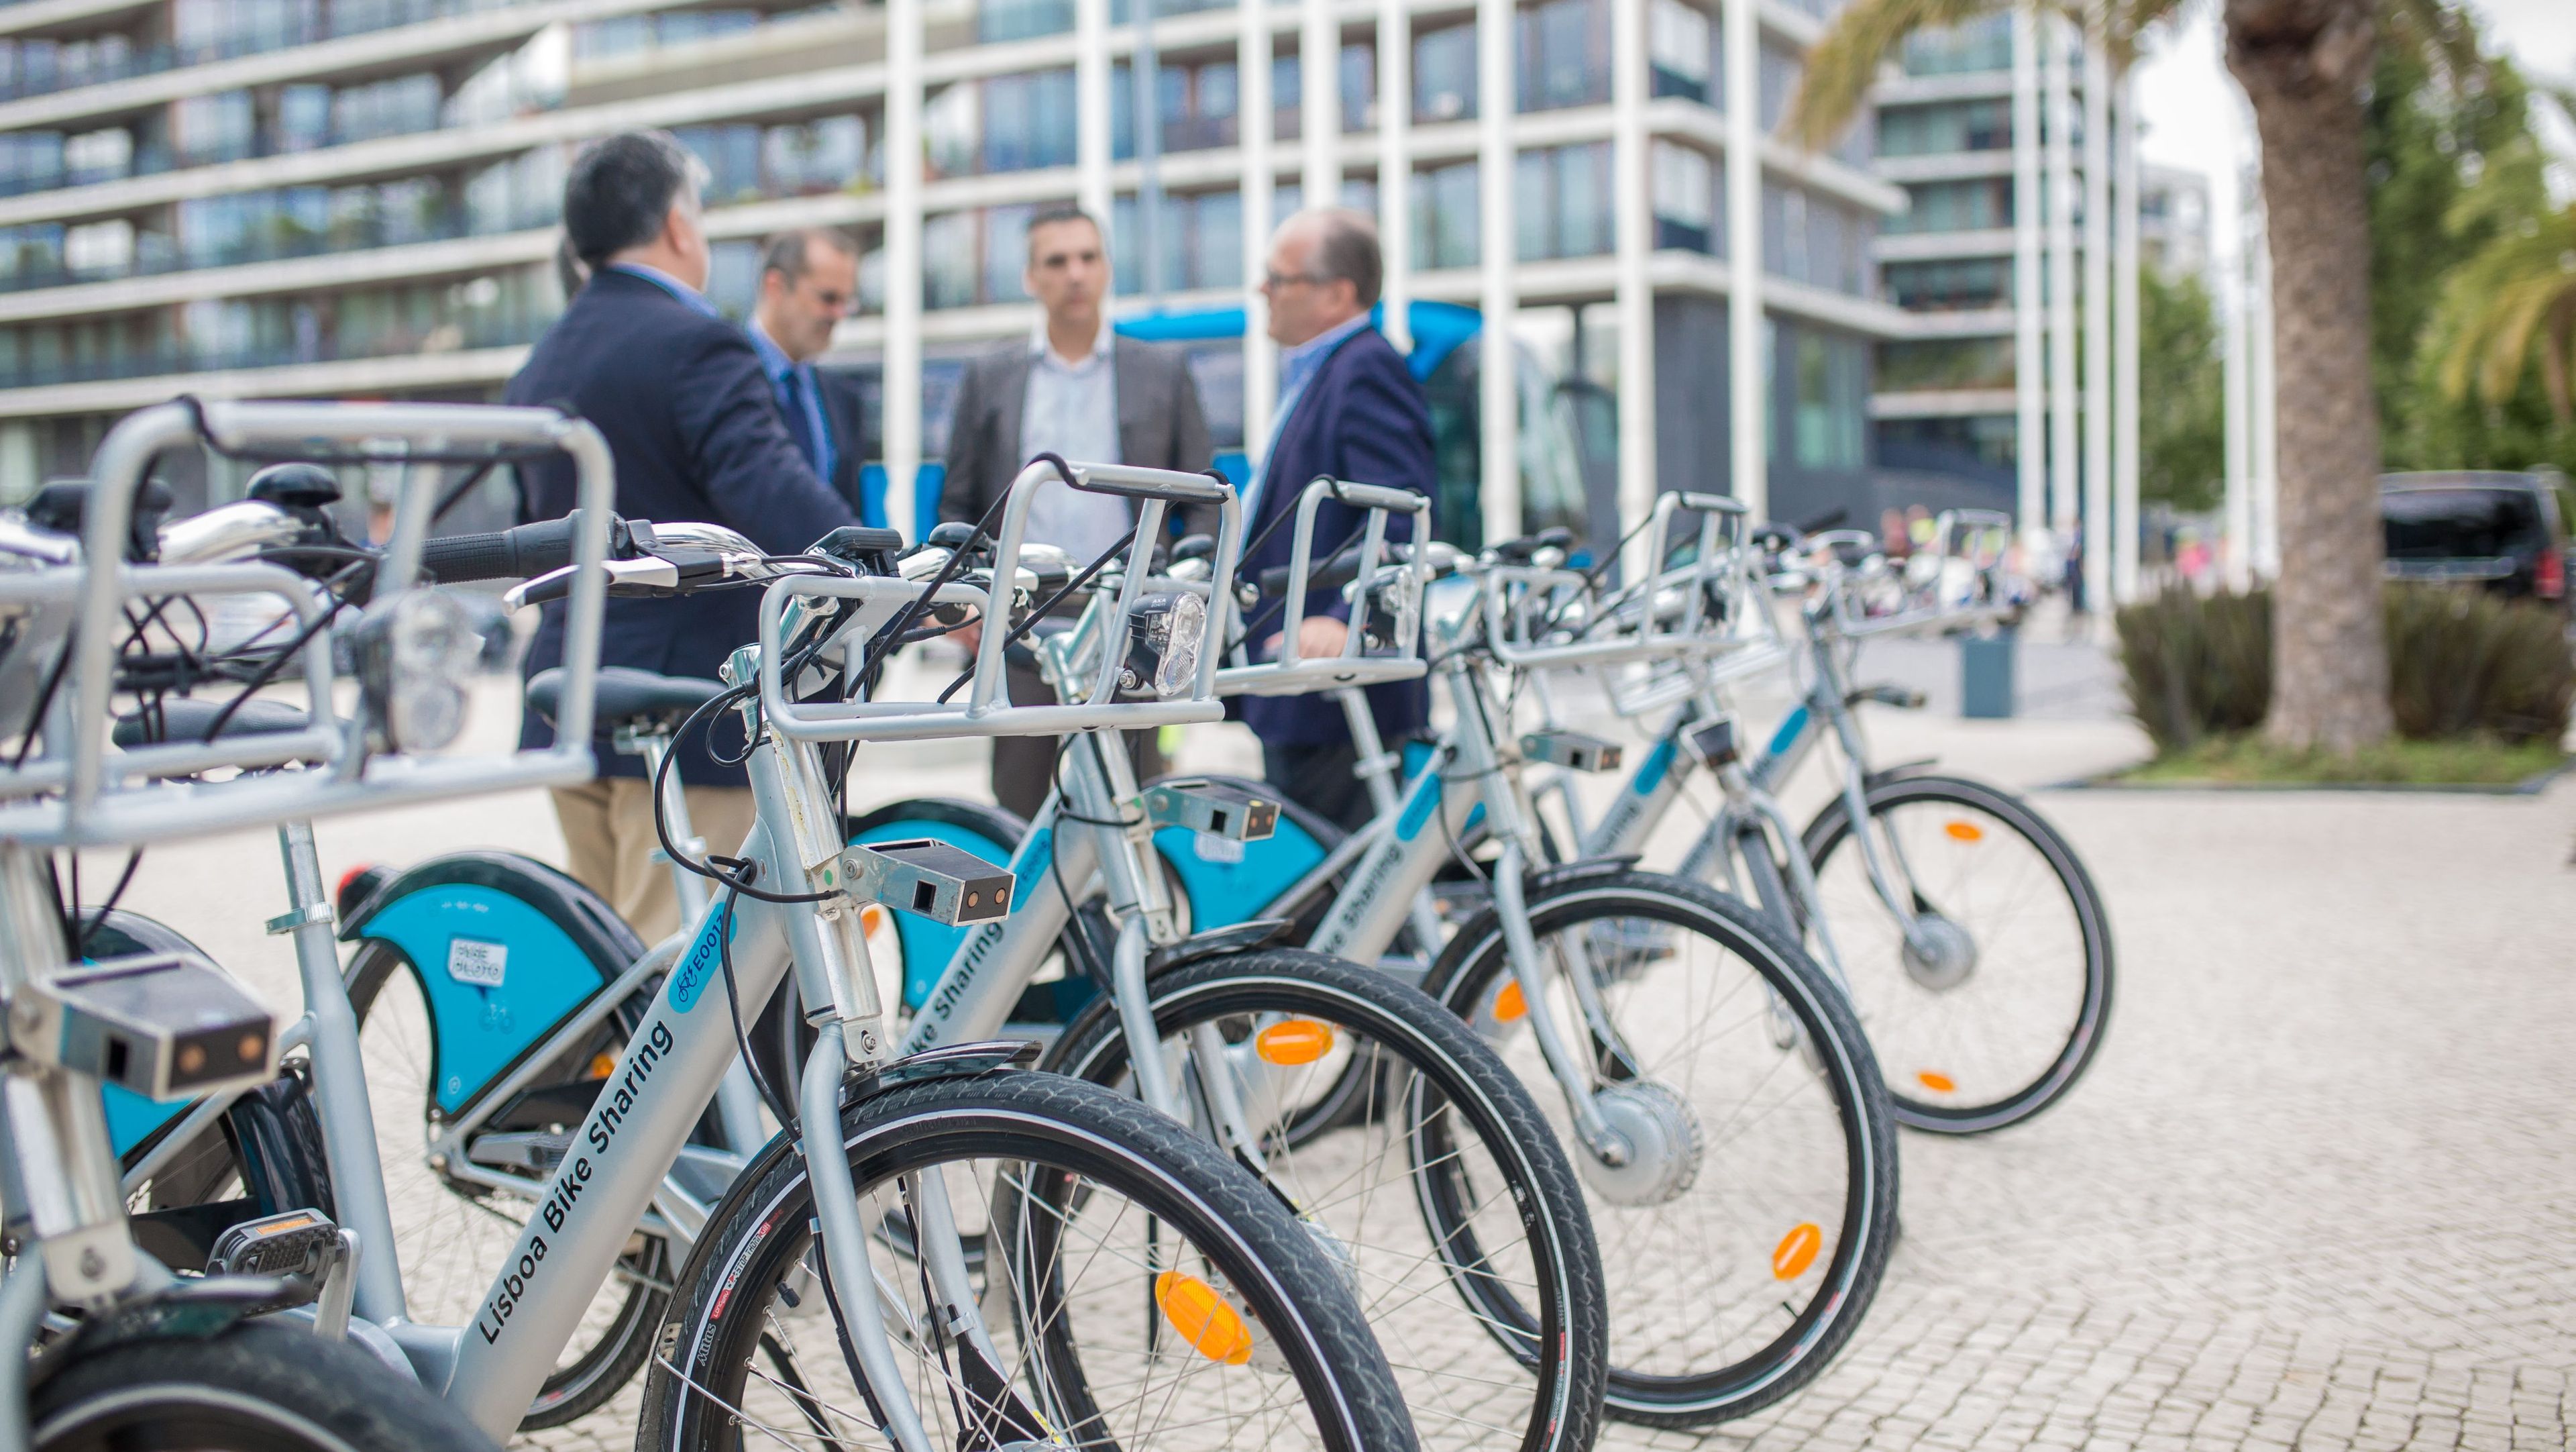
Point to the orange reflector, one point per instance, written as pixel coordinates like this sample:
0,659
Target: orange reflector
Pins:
1296,1041
602,1065
1797,1251
1203,1318
1937,1083
1965,832
1510,1005
872,917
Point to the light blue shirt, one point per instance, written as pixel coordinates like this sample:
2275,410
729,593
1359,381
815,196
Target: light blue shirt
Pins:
669,284
805,400
1297,368
1071,408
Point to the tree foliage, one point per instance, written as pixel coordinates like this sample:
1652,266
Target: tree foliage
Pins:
2182,423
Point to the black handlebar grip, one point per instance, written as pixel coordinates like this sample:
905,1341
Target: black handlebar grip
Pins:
510,554
1332,574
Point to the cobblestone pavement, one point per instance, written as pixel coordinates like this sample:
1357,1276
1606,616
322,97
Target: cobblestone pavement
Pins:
2318,1191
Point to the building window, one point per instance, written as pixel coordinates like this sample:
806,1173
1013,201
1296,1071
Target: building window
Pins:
1946,364
1951,286
1685,199
1444,74
1831,406
1028,121
213,128
1200,237
1563,54
1979,45
1980,204
1022,19
1444,216
1561,195
1680,50
1946,127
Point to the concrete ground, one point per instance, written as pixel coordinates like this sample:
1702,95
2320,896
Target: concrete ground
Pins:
2319,1190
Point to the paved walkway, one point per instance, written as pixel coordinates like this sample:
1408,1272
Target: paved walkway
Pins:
2318,1191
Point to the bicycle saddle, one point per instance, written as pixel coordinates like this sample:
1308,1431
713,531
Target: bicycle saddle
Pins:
628,697
189,720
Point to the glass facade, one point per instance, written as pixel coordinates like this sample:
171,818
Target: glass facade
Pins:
1979,45
1956,206
1983,124
1957,285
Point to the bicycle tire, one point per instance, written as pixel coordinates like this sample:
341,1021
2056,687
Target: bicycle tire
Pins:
1562,1340
1850,1125
2081,1040
758,1238
256,1387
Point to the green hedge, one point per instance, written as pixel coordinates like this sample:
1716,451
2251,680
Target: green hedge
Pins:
2461,663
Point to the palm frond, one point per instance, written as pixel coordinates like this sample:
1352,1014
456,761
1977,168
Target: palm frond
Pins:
1842,66
2442,32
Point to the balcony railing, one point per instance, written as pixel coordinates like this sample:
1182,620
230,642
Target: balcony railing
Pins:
453,337
31,71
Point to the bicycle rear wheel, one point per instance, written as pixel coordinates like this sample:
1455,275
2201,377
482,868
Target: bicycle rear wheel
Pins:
1140,1291
2005,1012
1746,1235
1443,1193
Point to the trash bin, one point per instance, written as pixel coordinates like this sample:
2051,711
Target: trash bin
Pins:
1986,675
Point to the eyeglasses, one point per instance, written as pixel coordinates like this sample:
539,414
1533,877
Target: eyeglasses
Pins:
1272,281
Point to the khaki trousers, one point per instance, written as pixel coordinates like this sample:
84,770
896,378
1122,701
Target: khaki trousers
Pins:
608,835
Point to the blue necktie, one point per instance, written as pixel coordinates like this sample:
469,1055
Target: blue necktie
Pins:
801,421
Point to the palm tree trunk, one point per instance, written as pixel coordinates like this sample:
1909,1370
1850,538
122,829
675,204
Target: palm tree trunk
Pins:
2304,64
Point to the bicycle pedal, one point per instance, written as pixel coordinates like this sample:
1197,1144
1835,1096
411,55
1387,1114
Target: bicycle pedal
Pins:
301,1243
1214,809
165,1025
932,879
1573,750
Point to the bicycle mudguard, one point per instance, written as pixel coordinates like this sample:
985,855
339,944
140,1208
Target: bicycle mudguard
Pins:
504,948
1228,882
980,829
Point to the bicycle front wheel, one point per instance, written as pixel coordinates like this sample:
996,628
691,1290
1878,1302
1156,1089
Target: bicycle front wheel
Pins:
1996,1007
1745,1231
1139,1291
1440,1189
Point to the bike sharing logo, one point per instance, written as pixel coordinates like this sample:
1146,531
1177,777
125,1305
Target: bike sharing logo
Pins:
703,961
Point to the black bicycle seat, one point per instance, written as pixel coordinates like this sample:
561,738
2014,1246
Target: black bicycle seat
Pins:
189,720
628,697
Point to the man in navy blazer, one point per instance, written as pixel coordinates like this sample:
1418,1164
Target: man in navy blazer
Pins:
689,415
1348,408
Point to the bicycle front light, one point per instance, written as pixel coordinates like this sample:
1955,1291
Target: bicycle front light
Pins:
1163,637
418,653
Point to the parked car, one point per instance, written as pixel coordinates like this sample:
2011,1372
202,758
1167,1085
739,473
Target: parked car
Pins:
2490,528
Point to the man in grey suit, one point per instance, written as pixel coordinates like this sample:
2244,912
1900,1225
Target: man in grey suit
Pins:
1077,389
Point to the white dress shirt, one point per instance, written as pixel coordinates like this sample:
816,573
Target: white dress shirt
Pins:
1072,409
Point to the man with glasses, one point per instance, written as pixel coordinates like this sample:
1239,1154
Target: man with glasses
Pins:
1350,409
809,282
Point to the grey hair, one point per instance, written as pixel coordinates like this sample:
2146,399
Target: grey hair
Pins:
786,253
621,188
1346,250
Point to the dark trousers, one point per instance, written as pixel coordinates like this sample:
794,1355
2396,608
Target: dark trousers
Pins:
1319,777
1024,766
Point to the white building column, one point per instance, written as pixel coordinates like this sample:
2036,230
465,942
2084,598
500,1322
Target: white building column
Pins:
1632,290
2057,82
2125,340
1748,397
1319,103
901,425
1094,127
1497,259
2030,428
2235,380
1395,168
2100,529
1252,129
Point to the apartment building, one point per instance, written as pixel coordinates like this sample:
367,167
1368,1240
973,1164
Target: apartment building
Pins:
356,198
2017,253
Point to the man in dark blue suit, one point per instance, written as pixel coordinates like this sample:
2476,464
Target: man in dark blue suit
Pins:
1348,408
689,415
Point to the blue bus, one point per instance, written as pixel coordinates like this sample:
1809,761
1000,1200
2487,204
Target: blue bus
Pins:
1567,428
